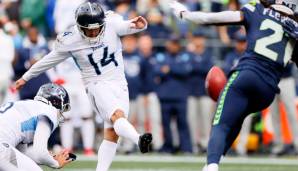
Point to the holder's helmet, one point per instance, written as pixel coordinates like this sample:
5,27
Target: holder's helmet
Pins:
54,95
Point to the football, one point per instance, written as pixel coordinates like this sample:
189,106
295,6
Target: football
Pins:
215,82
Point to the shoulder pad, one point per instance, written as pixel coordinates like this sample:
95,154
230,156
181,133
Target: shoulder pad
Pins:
111,16
69,40
66,36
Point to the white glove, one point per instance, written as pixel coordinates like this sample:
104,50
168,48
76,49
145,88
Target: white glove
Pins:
178,8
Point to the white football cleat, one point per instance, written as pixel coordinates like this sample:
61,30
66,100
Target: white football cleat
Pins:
212,167
205,168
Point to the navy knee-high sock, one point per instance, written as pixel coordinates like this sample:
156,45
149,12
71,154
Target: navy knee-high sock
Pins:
217,143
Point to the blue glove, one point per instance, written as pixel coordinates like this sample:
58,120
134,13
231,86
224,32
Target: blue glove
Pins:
291,29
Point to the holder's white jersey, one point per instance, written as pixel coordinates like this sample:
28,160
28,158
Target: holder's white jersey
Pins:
100,61
18,120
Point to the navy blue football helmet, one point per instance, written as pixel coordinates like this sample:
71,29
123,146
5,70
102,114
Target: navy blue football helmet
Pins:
90,16
54,95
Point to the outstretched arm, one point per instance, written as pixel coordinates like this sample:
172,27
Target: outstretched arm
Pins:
219,18
47,62
125,27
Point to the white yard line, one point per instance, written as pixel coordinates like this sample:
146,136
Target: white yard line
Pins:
195,159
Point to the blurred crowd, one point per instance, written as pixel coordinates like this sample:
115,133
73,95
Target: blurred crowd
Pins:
165,66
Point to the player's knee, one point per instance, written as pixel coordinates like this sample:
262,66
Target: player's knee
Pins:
116,115
110,135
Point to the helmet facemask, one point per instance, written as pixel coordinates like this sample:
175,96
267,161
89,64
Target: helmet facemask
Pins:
93,39
90,20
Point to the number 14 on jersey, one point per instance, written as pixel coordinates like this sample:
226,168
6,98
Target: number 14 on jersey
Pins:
106,60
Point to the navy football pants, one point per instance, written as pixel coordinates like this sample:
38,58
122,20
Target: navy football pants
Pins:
244,93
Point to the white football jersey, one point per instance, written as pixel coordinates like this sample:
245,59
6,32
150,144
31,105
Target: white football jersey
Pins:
101,61
18,120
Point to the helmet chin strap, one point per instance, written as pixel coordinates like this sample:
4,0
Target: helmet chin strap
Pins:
283,9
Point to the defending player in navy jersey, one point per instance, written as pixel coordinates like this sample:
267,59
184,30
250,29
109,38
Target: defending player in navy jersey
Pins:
253,83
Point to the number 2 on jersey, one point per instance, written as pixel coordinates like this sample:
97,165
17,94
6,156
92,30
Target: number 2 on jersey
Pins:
5,107
104,61
262,44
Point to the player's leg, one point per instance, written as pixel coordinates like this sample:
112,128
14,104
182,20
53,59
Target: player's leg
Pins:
124,129
230,109
107,149
183,129
110,100
125,144
13,160
288,98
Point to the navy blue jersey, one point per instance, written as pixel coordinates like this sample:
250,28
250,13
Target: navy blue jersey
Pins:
231,60
269,48
201,64
173,85
133,64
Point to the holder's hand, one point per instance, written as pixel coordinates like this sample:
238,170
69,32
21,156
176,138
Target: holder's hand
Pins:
63,158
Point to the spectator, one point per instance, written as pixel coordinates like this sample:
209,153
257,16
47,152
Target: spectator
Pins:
150,99
172,71
13,30
34,47
125,9
156,27
134,71
6,58
32,13
232,58
199,103
287,97
64,13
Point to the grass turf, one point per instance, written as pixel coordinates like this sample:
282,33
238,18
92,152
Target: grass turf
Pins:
168,163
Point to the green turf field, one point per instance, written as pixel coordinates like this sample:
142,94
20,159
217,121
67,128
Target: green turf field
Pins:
184,163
